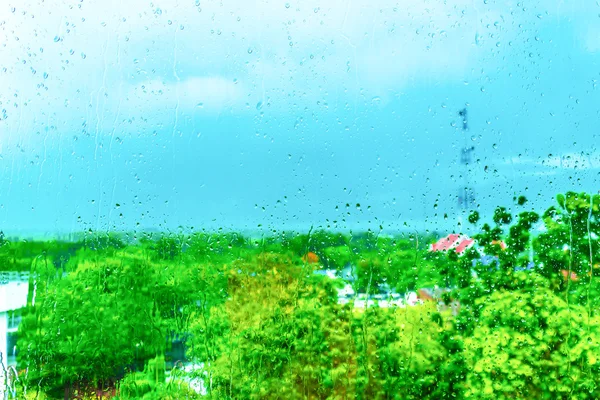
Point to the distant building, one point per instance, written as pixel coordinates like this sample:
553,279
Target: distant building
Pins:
13,297
311,258
331,273
460,243
566,275
348,273
454,241
436,294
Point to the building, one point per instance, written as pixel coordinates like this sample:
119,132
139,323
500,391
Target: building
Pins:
14,288
455,241
13,297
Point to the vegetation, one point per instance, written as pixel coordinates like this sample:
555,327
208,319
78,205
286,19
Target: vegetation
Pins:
259,323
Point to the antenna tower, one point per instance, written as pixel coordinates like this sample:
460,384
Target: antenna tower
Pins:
466,195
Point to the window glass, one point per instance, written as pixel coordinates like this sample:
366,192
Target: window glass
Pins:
299,199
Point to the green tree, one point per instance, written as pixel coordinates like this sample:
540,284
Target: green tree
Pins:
85,327
532,344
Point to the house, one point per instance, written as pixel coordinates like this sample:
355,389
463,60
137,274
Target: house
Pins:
13,297
455,241
348,273
460,243
331,273
436,294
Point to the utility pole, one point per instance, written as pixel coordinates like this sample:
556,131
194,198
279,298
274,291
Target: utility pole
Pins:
466,195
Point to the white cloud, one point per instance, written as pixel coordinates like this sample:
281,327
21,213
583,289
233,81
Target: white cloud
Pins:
203,94
570,160
573,161
287,54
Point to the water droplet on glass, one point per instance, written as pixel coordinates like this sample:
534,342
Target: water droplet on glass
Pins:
56,39
259,105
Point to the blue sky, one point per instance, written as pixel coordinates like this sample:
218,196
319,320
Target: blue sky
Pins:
235,114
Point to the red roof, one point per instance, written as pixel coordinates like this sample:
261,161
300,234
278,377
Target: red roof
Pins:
453,241
565,274
500,243
464,244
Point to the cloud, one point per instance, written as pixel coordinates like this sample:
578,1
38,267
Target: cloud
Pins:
566,161
201,94
272,46
71,61
573,161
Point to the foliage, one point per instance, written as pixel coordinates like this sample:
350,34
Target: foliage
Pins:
532,344
151,384
252,313
89,325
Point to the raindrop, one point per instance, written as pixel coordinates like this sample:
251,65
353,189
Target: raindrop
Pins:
56,39
259,105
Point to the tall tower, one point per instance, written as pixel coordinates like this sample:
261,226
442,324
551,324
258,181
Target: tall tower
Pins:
466,195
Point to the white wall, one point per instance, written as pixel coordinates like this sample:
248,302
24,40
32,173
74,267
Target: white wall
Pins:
13,295
3,330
